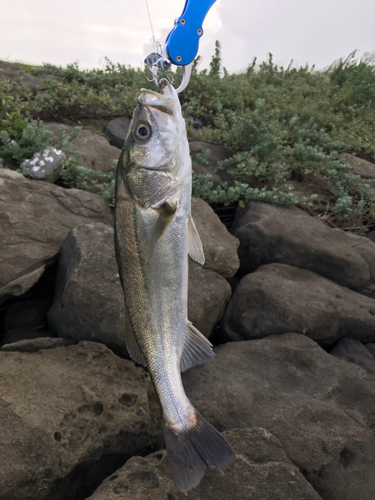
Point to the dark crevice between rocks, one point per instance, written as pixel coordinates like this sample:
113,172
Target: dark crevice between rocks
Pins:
82,482
29,311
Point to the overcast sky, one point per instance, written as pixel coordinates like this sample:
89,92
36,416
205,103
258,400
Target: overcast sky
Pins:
65,31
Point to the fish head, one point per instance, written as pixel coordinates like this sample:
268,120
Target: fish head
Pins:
156,150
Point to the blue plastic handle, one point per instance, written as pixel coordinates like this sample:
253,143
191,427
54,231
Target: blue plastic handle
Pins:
182,43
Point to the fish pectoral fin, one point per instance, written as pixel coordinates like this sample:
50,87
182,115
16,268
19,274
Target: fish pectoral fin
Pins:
132,344
166,214
195,247
197,349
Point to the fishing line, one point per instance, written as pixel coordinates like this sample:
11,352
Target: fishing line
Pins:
152,28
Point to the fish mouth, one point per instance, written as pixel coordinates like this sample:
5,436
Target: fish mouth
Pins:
163,102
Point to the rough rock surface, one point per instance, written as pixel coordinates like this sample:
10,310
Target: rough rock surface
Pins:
35,345
277,299
220,247
355,352
261,471
89,301
19,334
97,153
12,72
45,165
209,294
359,166
35,218
288,235
64,409
217,153
116,131
317,406
371,348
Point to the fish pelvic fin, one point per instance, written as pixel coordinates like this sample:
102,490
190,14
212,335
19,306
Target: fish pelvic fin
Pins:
195,247
193,450
197,349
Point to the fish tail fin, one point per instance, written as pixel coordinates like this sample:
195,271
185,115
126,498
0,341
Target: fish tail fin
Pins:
191,451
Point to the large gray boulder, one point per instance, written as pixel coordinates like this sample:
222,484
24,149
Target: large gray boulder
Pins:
220,247
89,301
277,299
353,351
319,408
261,470
35,218
97,153
63,411
209,294
288,235
116,131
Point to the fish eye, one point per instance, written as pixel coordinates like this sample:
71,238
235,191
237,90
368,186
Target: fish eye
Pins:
142,132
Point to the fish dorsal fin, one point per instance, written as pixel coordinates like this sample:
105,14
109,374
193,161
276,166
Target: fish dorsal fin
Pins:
195,247
166,214
132,344
197,349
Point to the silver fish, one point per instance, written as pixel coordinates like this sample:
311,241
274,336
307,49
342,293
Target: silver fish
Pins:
154,232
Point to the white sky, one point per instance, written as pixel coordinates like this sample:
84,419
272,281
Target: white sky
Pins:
65,31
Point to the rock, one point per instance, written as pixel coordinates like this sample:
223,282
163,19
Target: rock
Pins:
27,314
116,131
97,153
63,411
217,153
220,247
318,407
288,235
277,299
353,351
35,218
194,122
359,166
12,72
209,294
371,348
89,301
202,170
35,345
261,469
45,165
19,334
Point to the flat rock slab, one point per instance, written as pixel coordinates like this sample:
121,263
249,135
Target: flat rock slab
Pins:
288,235
262,469
64,409
319,408
89,301
35,218
277,299
220,247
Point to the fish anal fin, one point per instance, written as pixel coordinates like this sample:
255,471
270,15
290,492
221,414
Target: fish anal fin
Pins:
195,247
166,214
131,343
193,450
197,349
